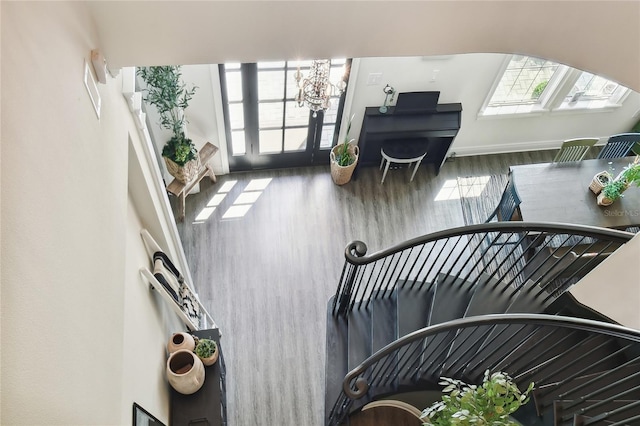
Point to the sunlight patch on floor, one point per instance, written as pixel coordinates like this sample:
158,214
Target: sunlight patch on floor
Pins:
467,187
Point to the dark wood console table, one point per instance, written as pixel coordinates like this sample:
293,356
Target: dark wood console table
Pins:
438,129
208,405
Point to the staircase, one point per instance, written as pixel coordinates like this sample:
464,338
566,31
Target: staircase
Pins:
490,296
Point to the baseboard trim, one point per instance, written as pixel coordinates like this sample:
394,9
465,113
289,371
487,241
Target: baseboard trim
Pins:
505,148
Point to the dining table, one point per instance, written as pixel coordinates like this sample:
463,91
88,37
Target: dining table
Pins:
559,192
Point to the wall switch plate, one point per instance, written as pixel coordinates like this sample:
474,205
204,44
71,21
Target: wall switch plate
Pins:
374,78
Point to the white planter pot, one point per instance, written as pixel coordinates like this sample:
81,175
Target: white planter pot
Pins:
185,372
604,201
596,186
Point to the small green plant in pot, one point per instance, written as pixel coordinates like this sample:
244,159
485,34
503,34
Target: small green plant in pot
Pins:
207,351
490,403
170,96
614,190
631,174
344,155
344,158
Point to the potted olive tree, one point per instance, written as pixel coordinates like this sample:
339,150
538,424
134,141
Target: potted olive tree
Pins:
170,96
490,403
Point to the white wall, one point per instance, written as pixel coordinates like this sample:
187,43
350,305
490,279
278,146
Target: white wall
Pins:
468,79
82,335
617,277
202,116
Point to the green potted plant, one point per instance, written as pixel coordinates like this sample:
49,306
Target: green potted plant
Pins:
207,351
344,158
488,404
614,189
630,175
170,96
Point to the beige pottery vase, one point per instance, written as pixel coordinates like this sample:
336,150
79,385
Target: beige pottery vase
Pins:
210,360
185,371
604,201
181,341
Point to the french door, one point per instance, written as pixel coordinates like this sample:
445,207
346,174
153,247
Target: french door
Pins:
265,126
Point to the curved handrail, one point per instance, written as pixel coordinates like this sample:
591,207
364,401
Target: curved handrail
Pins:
547,258
355,252
580,324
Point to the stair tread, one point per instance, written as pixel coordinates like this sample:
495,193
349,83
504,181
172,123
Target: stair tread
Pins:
413,307
487,299
384,317
336,361
451,298
528,300
359,324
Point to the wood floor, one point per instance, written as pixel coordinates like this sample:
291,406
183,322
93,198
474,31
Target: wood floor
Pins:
266,277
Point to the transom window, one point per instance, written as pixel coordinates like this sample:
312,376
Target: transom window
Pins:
524,80
534,85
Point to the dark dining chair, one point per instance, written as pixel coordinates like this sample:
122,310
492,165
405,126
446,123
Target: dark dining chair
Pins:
508,207
574,149
619,146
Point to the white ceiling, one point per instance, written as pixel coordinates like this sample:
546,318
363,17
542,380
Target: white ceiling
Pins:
598,36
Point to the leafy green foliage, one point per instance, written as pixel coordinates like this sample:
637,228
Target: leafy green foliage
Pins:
205,348
631,173
537,91
490,403
613,190
180,149
344,157
166,91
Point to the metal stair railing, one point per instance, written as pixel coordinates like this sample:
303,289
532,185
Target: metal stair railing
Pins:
583,368
543,259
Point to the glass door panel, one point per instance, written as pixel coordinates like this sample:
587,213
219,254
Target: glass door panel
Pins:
295,116
266,126
270,141
295,139
270,114
270,85
238,146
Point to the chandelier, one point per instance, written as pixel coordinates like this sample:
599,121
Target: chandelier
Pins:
316,90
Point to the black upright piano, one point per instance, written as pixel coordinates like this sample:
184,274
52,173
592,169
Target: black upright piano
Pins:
438,128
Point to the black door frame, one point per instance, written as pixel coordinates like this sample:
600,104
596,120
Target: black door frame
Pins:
313,154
